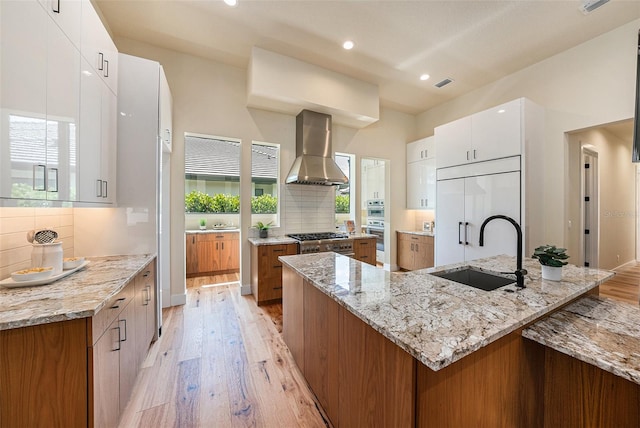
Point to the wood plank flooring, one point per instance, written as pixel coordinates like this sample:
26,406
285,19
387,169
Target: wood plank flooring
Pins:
625,285
221,362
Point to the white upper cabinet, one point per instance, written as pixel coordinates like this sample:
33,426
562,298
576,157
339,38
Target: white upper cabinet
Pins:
63,115
166,107
98,48
453,142
98,117
421,174
491,134
67,15
497,132
40,105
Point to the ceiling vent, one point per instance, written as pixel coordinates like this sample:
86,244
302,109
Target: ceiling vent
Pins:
588,6
442,83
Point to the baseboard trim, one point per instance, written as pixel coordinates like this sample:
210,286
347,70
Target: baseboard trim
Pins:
178,299
624,265
245,289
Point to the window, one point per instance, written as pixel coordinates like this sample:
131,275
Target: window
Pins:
345,208
212,175
265,164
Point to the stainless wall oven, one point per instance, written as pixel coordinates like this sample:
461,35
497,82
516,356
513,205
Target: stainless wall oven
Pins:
375,209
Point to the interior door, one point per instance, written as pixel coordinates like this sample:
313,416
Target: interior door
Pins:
450,221
485,196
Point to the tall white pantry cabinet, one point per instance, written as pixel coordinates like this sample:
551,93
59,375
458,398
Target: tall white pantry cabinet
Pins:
486,164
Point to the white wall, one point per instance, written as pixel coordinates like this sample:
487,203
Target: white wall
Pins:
588,85
617,193
210,98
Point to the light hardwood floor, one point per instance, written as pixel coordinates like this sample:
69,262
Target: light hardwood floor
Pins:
625,285
221,362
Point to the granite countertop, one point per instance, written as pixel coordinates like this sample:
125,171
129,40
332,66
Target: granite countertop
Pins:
599,331
236,230
79,295
273,240
436,320
418,232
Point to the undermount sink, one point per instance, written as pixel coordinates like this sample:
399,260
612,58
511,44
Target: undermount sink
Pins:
475,278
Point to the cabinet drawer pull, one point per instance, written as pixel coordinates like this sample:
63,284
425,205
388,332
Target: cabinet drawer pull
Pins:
414,237
147,273
105,188
417,247
99,188
412,244
364,243
277,267
56,8
278,251
125,330
118,348
277,288
100,61
116,306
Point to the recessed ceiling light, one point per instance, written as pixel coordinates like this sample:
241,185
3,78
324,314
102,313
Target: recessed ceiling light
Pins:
348,45
424,77
231,2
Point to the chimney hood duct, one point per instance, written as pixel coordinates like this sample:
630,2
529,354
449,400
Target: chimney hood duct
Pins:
314,163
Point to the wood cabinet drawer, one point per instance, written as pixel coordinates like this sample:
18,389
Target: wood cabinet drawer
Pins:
110,311
205,237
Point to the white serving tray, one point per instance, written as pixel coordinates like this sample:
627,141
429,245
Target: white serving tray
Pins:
10,283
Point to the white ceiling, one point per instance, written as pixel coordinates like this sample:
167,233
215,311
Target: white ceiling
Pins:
472,42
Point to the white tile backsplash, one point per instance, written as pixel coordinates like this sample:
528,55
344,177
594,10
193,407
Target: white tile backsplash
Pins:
15,222
308,208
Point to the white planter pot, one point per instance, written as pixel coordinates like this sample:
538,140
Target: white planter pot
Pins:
552,273
203,227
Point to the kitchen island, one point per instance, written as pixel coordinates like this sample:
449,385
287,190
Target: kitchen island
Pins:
71,350
423,350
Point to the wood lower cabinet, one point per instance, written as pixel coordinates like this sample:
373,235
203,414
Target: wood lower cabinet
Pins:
211,253
364,250
43,375
191,248
360,377
414,251
74,373
266,270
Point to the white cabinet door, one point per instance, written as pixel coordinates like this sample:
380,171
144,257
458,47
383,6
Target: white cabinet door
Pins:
108,145
486,196
453,143
421,184
63,113
414,196
98,48
421,149
67,14
23,81
449,242
497,132
90,150
166,107
429,176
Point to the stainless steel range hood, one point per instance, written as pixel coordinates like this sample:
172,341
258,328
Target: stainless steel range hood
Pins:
314,163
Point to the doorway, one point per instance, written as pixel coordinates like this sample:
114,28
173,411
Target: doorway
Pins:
375,214
590,208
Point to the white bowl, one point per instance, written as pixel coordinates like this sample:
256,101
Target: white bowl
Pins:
32,274
72,262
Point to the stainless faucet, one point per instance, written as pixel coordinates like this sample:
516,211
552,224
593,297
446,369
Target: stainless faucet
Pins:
520,273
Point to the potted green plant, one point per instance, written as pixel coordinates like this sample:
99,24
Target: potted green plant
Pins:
263,228
552,259
203,224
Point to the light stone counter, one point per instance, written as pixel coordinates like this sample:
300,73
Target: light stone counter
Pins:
599,331
418,232
272,240
79,295
435,320
199,231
